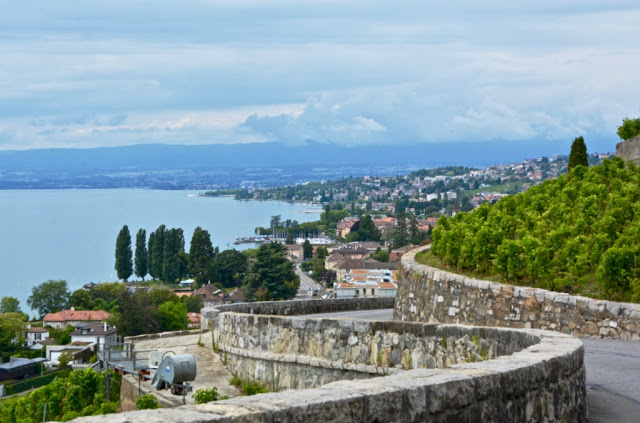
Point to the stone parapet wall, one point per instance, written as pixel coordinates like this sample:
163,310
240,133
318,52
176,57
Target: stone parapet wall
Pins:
427,294
296,353
629,149
542,382
294,308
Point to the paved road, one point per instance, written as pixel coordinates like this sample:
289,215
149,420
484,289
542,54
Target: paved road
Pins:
613,372
307,285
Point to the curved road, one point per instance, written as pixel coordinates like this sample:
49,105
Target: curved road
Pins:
613,372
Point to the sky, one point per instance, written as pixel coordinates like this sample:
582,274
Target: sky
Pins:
87,74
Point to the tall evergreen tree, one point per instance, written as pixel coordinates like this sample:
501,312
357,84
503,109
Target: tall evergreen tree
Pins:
414,233
124,262
170,263
201,254
578,155
157,252
150,268
307,249
140,260
401,236
272,275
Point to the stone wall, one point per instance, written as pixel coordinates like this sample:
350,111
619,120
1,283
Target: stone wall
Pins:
481,374
427,294
295,353
629,149
295,308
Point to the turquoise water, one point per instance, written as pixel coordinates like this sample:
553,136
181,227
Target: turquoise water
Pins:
71,234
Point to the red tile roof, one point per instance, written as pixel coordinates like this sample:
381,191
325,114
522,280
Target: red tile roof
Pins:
77,315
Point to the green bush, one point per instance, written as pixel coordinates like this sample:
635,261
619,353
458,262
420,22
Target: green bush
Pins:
253,387
147,402
203,396
630,128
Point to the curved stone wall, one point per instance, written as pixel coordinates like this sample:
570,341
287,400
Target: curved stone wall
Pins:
427,294
533,375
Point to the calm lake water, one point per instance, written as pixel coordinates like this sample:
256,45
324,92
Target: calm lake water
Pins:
71,234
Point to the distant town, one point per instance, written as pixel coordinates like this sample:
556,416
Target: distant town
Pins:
427,192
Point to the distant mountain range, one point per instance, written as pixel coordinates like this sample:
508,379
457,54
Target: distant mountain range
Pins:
233,165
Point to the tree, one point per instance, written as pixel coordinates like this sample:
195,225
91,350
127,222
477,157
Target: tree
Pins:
9,305
81,300
124,263
289,239
630,128
201,254
140,261
307,249
366,231
401,234
228,266
136,314
171,264
193,303
156,251
172,316
272,276
414,232
12,327
578,155
49,296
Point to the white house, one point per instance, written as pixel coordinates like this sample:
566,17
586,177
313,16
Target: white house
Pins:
35,336
100,334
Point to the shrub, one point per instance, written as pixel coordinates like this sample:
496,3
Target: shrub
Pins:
147,402
252,387
203,396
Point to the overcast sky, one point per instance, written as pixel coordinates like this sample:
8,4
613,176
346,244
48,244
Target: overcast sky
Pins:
84,74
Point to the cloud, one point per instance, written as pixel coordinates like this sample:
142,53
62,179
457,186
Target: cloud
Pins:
354,73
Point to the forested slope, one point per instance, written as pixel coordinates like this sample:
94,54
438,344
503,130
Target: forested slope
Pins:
579,233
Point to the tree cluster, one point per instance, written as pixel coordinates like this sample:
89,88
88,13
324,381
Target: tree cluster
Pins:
143,311
577,233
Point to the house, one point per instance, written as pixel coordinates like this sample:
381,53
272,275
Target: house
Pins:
396,254
235,297
194,320
19,368
100,334
78,350
345,265
294,253
64,318
35,336
346,226
211,295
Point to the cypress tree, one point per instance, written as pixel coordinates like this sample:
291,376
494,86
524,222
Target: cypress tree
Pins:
157,252
578,155
124,263
150,268
201,254
140,260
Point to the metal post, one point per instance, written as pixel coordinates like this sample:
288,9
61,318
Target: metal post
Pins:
44,415
108,380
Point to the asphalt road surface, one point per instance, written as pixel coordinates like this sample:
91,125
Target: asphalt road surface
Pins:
613,372
307,285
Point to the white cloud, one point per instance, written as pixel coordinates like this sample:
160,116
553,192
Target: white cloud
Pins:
357,72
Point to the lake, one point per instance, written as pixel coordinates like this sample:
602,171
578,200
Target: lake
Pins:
71,234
